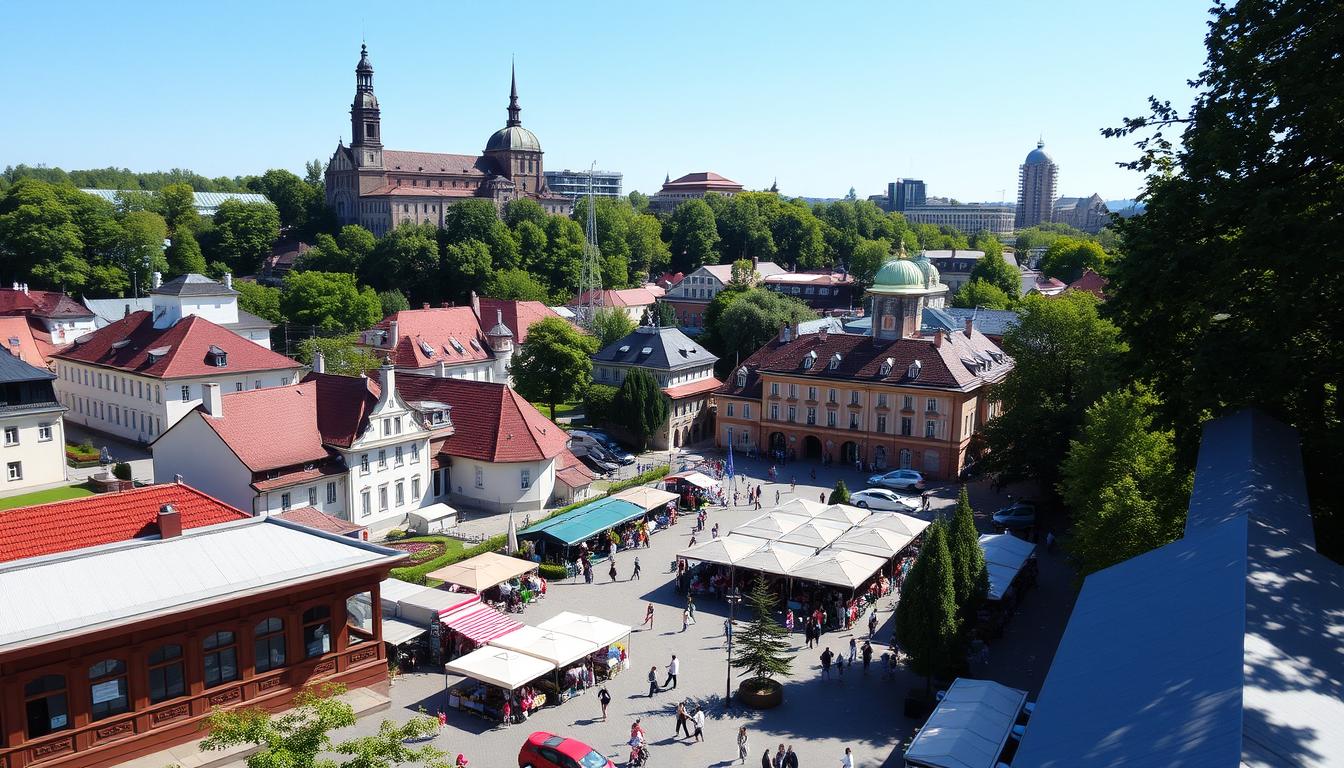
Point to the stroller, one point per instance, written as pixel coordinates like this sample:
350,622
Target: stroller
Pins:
639,754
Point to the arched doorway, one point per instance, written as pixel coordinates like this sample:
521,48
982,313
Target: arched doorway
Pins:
905,458
778,441
676,438
695,433
849,452
811,447
880,457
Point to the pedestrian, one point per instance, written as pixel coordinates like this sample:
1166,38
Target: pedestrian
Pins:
848,760
692,544
765,759
714,532
853,649
612,571
807,630
793,484
461,761
648,617
742,744
727,631
779,757
867,654
788,620
636,731
790,758
603,698
653,682
814,473
699,719
690,607
840,666
443,719
685,618
673,667
872,623
821,497
924,497
635,574
507,713
826,657
776,497
683,721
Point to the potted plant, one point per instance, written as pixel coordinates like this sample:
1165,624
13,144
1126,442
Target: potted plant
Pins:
761,647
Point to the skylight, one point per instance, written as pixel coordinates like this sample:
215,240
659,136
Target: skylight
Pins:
457,345
426,348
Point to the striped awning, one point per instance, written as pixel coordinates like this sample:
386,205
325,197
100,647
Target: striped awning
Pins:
481,624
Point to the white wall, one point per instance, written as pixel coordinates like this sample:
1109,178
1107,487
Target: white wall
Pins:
41,462
194,451
221,310
501,484
273,502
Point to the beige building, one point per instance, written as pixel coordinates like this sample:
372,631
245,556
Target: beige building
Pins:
33,446
684,370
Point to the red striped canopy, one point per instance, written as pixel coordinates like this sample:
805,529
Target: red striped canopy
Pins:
481,624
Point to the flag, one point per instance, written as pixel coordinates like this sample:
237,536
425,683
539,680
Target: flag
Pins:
728,467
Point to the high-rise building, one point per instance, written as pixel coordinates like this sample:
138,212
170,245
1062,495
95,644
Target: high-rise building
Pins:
903,194
574,184
1036,188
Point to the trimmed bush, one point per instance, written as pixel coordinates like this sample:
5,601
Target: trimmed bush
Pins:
554,572
121,470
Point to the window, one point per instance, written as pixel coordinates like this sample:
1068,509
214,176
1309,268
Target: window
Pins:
269,644
364,503
932,406
415,489
43,432
11,435
186,393
930,429
316,631
525,479
812,393
166,680
312,496
415,453
853,421
774,412
15,470
221,658
793,391
237,386
774,389
907,403
881,401
401,493
830,418
359,617
364,464
730,409
793,413
396,425
906,426
882,424
382,458
830,396
45,703
284,501
438,483
811,415
331,493
158,394
382,498
746,410
387,427
853,398
480,478
397,458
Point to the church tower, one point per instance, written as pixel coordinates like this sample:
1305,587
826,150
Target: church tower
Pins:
366,131
901,290
515,150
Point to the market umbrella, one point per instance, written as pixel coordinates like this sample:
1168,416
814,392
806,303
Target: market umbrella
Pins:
512,546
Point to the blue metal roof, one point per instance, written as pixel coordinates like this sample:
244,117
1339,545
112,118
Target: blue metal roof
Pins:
584,522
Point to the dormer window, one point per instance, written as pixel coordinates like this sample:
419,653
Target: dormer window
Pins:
217,357
742,376
887,365
835,361
809,359
912,372
426,348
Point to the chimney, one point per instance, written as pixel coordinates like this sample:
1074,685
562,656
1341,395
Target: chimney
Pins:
795,331
392,336
127,313
213,401
970,326
424,305
228,280
170,522
938,338
156,280
177,479
442,370
822,334
25,289
475,304
784,332
387,379
319,362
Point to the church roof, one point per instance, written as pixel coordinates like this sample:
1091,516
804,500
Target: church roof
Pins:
703,179
436,162
513,137
192,284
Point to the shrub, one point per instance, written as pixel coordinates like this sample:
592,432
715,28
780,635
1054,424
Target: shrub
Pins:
395,534
121,470
553,572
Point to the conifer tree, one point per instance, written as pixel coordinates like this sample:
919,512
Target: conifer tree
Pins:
840,495
970,579
762,646
926,616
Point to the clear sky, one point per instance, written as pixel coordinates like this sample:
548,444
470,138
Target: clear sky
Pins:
822,96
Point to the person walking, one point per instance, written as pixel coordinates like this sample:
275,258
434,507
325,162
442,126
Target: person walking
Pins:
778,762
793,484
699,719
765,759
826,657
648,617
683,721
742,744
840,666
790,758
788,620
867,654
847,761
634,575
776,497
653,682
604,698
690,607
636,731
673,667
612,570
853,649
685,618
924,498
872,623
821,497
727,632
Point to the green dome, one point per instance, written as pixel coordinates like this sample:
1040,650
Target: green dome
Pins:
899,276
931,276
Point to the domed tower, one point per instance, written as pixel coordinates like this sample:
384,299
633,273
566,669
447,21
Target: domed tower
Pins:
515,149
500,339
900,291
366,132
1036,188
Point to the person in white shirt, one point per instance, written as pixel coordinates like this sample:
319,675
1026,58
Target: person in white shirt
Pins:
673,667
848,760
699,719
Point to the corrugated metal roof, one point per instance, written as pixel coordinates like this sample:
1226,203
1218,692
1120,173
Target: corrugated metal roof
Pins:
205,202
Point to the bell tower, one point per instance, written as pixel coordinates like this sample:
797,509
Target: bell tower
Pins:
366,130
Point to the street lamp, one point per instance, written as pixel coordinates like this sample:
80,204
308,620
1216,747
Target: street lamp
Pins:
733,597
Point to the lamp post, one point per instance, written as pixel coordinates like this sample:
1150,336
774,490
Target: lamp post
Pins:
733,597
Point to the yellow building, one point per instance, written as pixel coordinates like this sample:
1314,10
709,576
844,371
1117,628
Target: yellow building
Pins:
895,398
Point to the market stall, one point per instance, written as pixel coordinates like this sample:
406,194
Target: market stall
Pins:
816,533
497,675
590,523
843,513
878,542
568,654
896,521
839,568
486,570
713,571
473,625
804,507
771,525
611,639
435,518
691,488
1006,556
969,728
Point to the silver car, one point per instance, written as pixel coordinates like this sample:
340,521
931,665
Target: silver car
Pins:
899,480
883,500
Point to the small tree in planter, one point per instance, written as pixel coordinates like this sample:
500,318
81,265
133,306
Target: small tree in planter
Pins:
762,648
926,616
840,495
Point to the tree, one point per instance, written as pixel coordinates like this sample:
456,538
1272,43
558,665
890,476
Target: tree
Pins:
980,293
184,254
661,314
392,301
639,201
298,738
1065,356
743,274
466,266
598,400
524,209
515,285
554,365
177,203
640,405
840,494
262,301
329,301
36,227
294,199
649,255
970,578
926,617
346,252
868,257
531,245
342,355
407,257
140,247
1068,257
761,647
751,320
611,324
995,270
245,233
562,261
1122,482
469,219
695,239
797,234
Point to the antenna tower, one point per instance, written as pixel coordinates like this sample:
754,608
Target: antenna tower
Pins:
590,281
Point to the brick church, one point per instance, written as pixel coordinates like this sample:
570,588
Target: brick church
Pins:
380,189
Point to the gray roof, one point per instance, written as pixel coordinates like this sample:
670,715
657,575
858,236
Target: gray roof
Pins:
991,322
248,320
1221,648
107,311
203,201
192,284
831,324
668,349
14,369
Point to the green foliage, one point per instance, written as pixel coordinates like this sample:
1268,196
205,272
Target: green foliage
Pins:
1068,257
262,301
140,246
927,626
553,571
1044,235
470,219
840,494
695,239
121,178
177,203
797,235
342,355
405,258
297,202
762,646
639,201
1065,356
392,301
466,267
515,285
524,209
970,578
1122,482
36,227
868,257
640,405
611,324
660,314
121,470
184,254
980,293
244,234
329,301
996,271
346,252
554,364
934,237
751,319
598,403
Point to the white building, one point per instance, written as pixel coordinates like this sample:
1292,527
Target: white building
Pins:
188,295
55,319
33,447
136,377
705,283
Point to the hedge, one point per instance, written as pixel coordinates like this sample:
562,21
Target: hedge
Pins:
554,572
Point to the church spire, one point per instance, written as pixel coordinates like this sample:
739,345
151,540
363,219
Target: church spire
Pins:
514,109
364,71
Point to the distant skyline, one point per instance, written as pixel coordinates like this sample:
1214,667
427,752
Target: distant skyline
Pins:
823,98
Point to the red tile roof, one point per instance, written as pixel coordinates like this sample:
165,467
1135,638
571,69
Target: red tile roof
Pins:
343,405
626,297
401,190
64,526
518,315
703,179
436,328
572,472
186,342
326,468
1092,283
491,422
694,388
40,303
315,518
434,162
16,338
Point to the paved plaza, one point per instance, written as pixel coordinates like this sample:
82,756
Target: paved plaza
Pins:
819,717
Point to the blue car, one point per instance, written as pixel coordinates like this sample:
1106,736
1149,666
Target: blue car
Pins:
612,447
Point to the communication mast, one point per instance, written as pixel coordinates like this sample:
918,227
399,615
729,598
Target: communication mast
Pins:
590,280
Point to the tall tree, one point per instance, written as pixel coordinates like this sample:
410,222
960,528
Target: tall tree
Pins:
261,300
927,626
695,239
470,219
392,301
661,314
178,206
466,266
515,285
562,261
407,257
1067,257
184,254
762,647
868,257
294,199
140,247
524,209
839,494
981,293
329,301
649,255
36,227
640,405
245,232
797,234
752,320
970,578
995,270
611,324
555,364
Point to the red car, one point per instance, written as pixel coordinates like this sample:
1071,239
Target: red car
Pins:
546,750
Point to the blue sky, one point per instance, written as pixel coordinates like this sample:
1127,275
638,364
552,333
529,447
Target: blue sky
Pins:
821,96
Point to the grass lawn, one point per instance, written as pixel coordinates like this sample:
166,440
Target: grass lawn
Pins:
562,409
43,497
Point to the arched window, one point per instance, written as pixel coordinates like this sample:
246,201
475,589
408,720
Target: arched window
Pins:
107,688
166,680
742,377
45,703
269,644
317,631
221,658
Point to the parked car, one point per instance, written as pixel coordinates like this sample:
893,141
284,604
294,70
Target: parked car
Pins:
546,750
614,448
899,480
884,500
1019,514
598,466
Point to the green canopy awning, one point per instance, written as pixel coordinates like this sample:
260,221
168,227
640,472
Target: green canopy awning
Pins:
585,522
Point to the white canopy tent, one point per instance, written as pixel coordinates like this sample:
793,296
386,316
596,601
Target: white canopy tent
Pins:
499,667
969,728
396,631
878,542
434,518
898,522
844,513
838,568
726,550
549,645
648,498
802,507
390,591
594,629
771,525
776,558
816,533
1005,554
698,479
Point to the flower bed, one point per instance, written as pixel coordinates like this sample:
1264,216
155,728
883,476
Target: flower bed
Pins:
421,551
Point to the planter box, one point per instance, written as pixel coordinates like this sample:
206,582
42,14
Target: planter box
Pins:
757,693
